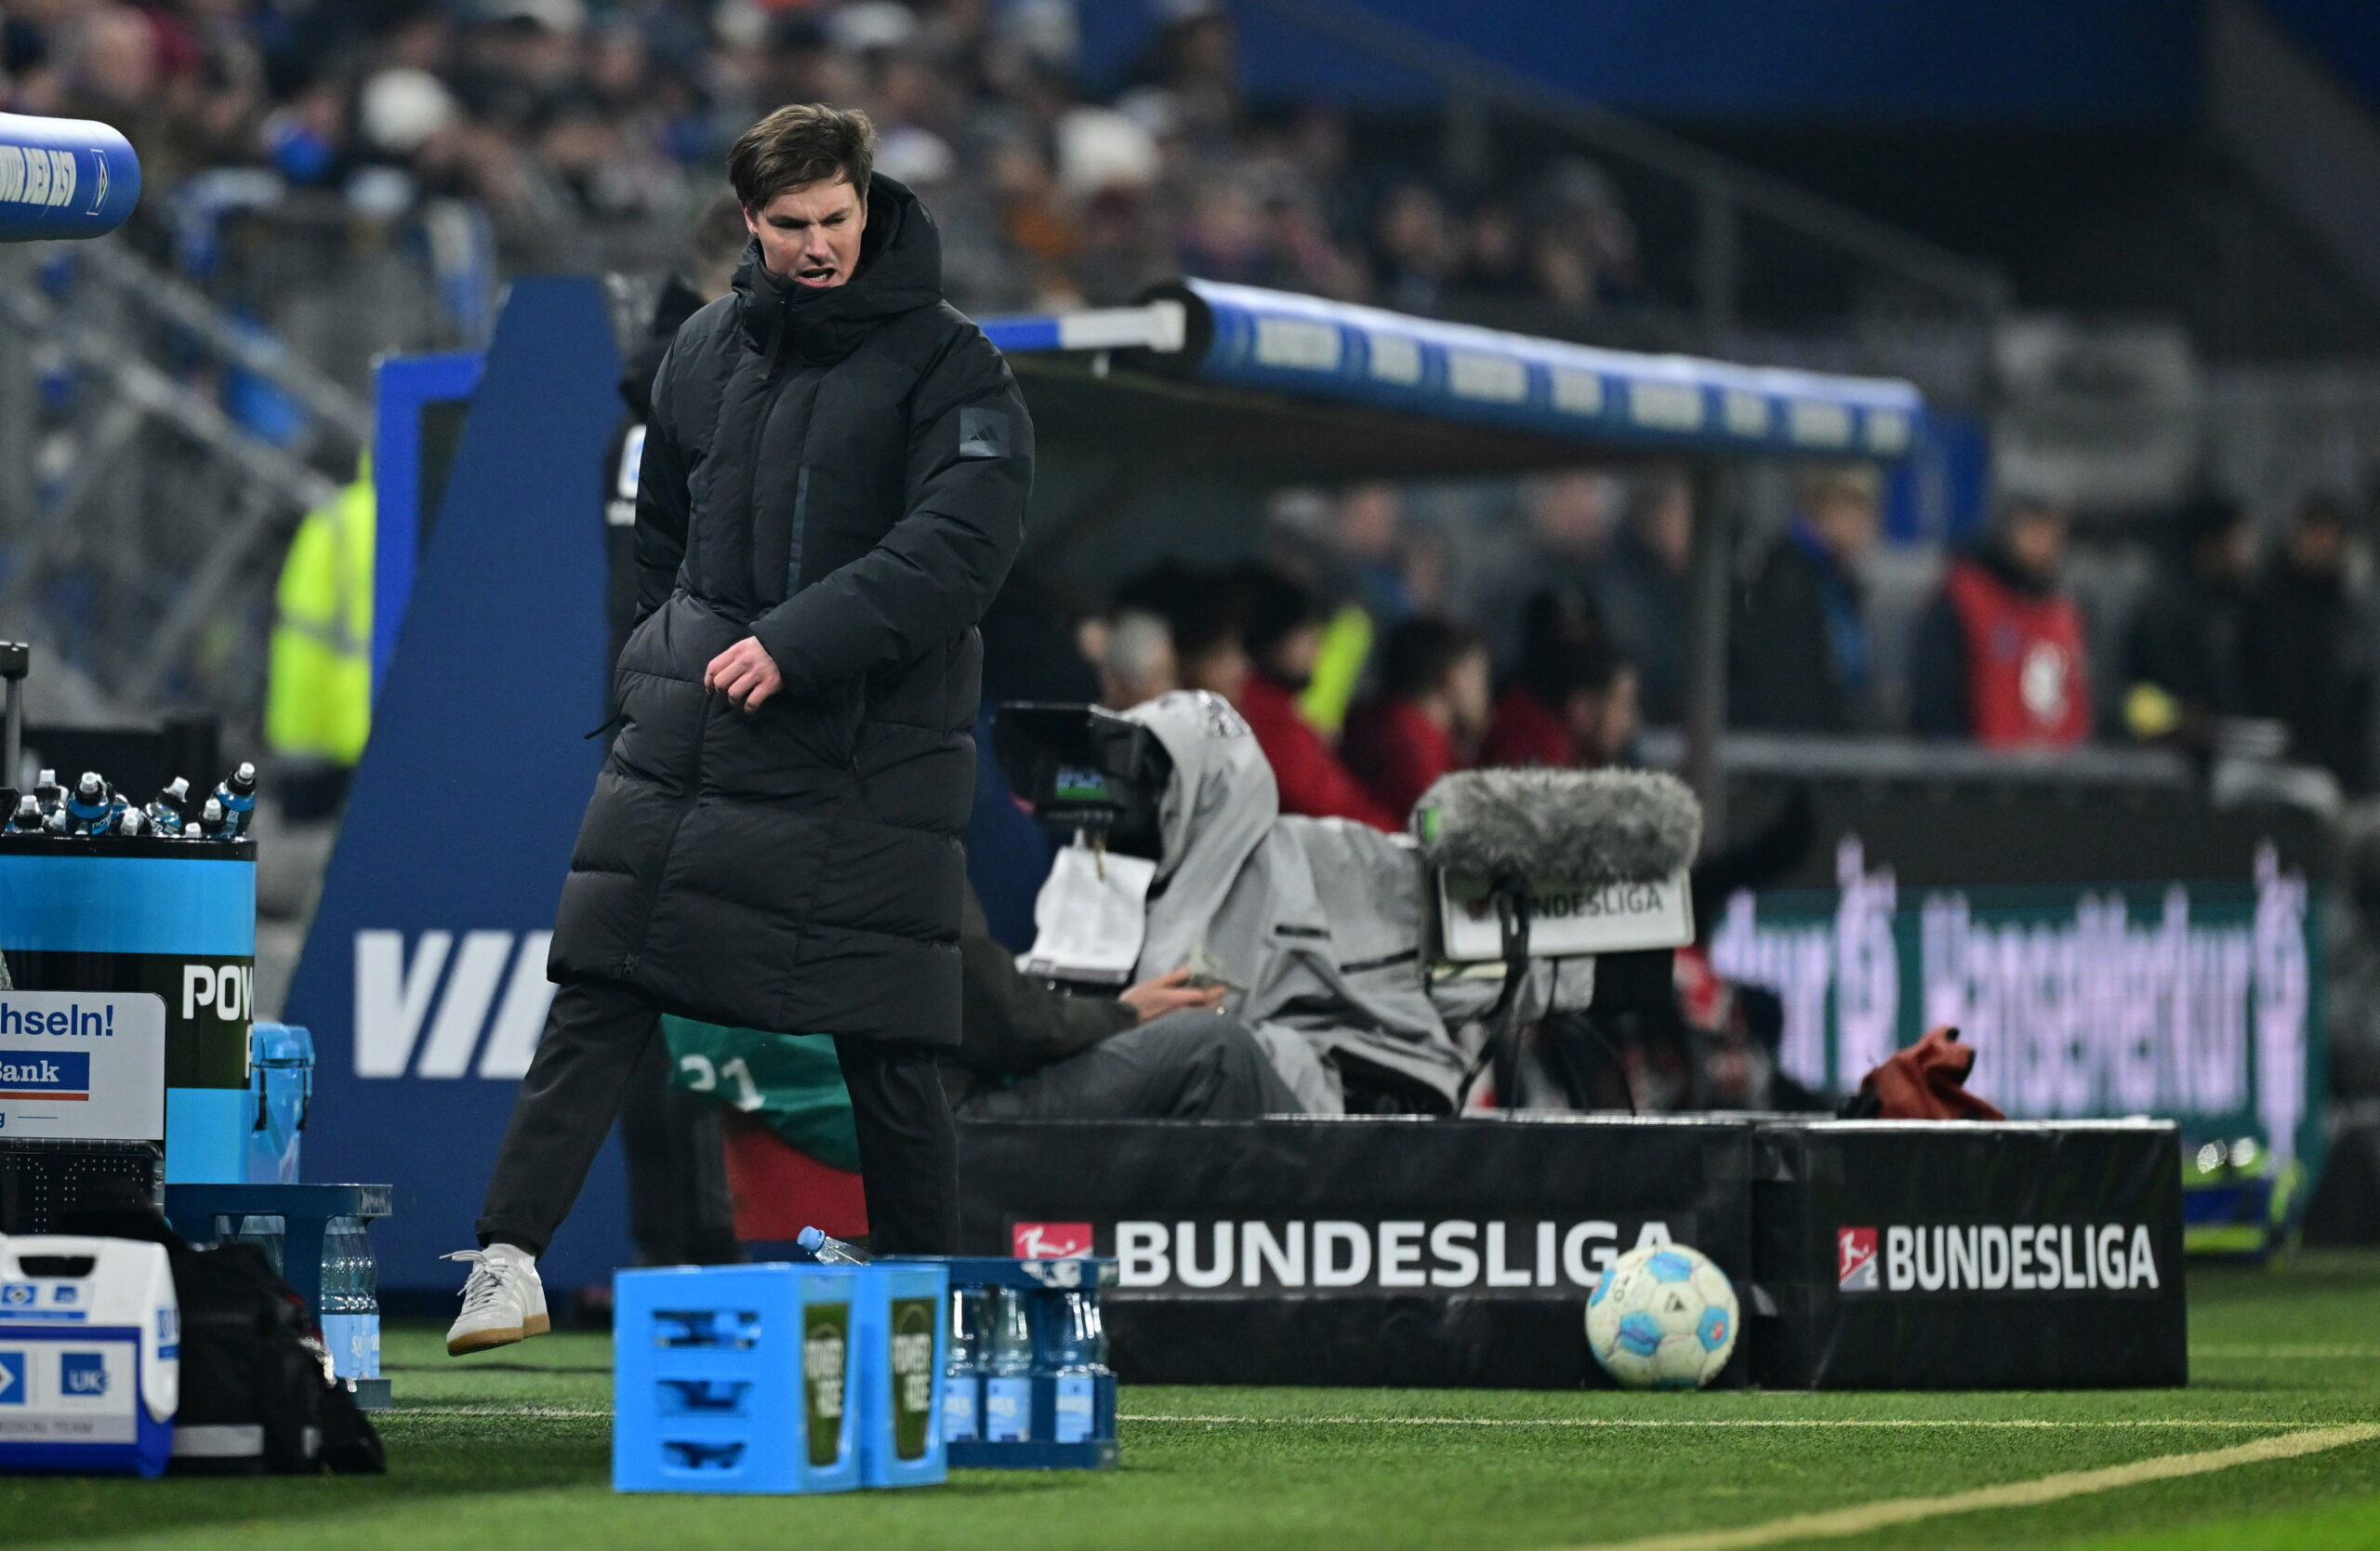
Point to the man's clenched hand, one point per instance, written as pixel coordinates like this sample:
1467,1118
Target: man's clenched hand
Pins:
745,673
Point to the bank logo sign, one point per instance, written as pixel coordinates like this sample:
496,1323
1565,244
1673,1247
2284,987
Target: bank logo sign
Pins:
1999,1257
2193,1001
83,1065
64,1077
438,1007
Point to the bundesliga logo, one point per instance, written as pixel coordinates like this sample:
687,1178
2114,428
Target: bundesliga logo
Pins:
1992,1257
1049,1240
1855,1259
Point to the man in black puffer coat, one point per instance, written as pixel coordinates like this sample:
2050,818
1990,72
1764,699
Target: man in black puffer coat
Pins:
834,486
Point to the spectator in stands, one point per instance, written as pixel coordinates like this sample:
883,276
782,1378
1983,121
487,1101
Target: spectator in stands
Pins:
2307,646
1136,659
2000,654
1435,702
1418,247
1799,648
1202,614
1283,631
1530,725
1641,591
1565,534
1367,539
1158,1051
2182,660
1571,706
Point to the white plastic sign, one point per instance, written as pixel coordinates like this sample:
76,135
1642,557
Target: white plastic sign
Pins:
83,1065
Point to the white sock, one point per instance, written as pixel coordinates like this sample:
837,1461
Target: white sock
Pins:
501,1251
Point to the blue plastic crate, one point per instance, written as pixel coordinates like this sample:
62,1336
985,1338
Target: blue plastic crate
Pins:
905,1330
738,1378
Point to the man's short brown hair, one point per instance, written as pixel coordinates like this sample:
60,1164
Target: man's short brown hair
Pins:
802,143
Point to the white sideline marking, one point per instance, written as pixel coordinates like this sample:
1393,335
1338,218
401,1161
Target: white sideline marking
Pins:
2161,1422
2332,1352
1866,1516
534,1413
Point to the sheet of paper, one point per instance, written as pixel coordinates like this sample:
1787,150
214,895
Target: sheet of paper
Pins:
1090,917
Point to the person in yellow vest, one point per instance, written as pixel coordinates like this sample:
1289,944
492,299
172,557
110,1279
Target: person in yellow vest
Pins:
318,700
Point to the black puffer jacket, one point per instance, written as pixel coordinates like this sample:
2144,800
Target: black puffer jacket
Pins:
843,474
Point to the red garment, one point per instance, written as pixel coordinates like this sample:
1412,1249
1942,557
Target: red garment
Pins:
1396,752
1311,780
2025,683
1927,1081
1524,733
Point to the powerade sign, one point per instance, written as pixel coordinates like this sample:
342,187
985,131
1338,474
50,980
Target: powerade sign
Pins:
2201,1002
82,1065
1359,1257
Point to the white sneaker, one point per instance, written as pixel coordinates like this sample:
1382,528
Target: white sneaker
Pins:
503,1301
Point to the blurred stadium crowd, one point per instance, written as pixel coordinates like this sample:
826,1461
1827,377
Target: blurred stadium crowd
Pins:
590,134
1421,634
531,135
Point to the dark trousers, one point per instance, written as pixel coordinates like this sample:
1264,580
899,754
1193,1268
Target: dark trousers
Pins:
680,1211
594,1049
1186,1065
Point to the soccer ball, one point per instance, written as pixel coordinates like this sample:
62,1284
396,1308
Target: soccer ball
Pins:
1662,1316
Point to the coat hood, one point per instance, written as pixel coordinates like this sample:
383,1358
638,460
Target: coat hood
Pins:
1214,814
1316,923
900,270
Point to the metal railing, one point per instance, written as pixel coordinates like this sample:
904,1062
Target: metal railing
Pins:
138,517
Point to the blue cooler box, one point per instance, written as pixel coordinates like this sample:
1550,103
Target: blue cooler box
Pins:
90,1356
737,1378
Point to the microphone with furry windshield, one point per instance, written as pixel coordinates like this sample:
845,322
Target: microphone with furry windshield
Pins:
1523,831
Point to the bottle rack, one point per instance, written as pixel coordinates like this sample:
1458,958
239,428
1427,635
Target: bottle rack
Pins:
210,1213
1044,1284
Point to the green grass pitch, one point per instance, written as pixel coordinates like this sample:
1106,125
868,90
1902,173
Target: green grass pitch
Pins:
483,1453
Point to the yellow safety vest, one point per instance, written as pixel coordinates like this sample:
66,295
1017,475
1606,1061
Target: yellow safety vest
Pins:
319,701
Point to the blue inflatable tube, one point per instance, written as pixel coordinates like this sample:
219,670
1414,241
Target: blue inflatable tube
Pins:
63,177
1241,336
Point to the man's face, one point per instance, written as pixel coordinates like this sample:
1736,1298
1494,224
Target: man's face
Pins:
810,233
1471,693
2319,549
1847,523
2037,540
1291,660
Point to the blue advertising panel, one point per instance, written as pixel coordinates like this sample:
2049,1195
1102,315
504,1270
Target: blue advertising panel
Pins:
412,398
424,975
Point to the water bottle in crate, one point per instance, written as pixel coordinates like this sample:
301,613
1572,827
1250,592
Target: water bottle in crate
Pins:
963,1373
1035,1357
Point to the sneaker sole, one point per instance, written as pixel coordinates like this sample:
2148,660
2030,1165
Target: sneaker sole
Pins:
479,1340
536,1325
